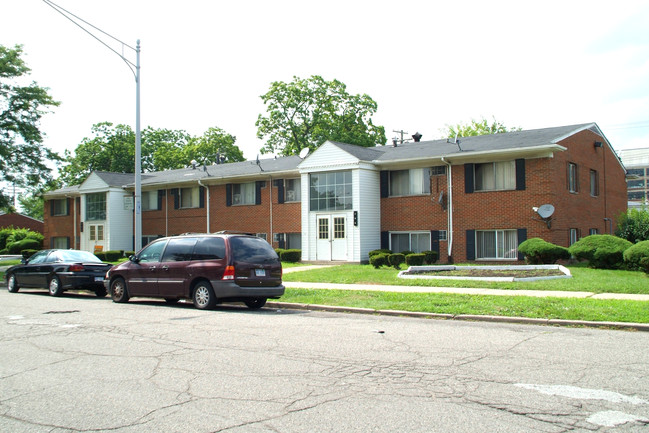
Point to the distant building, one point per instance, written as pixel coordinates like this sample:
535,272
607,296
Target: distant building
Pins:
17,220
475,199
636,162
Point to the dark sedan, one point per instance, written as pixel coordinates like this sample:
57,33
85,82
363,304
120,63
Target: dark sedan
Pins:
58,271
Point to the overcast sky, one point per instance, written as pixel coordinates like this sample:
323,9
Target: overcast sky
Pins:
426,63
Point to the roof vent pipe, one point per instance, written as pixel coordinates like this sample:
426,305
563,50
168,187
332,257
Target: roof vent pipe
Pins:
417,137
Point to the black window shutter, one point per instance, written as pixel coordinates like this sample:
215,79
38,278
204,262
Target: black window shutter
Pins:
279,183
522,237
67,242
201,197
228,194
67,206
434,241
470,244
161,193
385,184
176,195
258,185
520,174
282,243
385,240
52,208
468,178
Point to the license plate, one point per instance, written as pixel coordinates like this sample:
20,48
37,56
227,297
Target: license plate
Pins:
260,272
99,278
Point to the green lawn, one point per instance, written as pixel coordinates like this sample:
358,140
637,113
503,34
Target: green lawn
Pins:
583,280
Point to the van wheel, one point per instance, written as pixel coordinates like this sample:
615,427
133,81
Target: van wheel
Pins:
204,298
255,303
118,291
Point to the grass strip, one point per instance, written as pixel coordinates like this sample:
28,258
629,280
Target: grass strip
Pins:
596,310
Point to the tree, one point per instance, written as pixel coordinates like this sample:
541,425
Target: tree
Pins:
22,154
306,112
113,149
633,225
476,127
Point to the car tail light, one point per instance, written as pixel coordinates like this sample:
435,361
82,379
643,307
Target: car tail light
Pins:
76,268
229,273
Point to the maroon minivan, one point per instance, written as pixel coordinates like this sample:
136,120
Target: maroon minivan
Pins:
207,268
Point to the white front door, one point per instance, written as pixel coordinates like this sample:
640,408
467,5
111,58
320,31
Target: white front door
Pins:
331,243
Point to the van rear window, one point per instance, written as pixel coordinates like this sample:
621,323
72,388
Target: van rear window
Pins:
252,249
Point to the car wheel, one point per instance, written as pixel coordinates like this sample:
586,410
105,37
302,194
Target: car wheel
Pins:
12,285
255,303
56,289
171,301
204,297
101,292
118,290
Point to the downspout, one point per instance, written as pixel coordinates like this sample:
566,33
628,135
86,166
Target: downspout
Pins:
449,237
270,199
166,212
207,204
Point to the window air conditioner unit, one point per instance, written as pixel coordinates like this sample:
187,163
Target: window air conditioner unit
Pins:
290,195
236,199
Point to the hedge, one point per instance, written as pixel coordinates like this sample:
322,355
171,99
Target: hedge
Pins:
539,252
395,260
634,254
381,251
430,257
291,256
28,253
415,259
601,251
24,244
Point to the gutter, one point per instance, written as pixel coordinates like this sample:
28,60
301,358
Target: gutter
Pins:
449,235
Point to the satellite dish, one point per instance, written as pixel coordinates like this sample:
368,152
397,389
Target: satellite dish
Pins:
304,152
546,211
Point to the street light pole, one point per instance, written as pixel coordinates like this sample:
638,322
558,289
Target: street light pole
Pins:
138,155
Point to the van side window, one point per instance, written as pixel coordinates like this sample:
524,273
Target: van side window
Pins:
152,252
179,250
209,249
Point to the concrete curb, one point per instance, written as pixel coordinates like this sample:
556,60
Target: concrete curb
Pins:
467,317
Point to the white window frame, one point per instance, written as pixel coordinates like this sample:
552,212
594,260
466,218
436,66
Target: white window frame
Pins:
292,190
410,240
189,198
244,193
414,181
96,209
505,245
62,208
574,236
443,235
96,232
495,176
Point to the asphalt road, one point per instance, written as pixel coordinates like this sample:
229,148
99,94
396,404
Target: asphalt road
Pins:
80,364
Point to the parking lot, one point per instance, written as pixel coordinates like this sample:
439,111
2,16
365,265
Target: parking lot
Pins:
79,363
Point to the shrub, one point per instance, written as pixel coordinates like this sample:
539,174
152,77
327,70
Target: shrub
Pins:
601,251
633,225
4,234
539,252
129,253
24,244
430,257
634,254
395,260
381,251
415,259
112,256
378,260
101,255
28,253
279,251
407,252
291,256
644,264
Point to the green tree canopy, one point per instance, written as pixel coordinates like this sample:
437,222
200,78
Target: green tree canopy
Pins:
23,157
112,148
306,112
476,127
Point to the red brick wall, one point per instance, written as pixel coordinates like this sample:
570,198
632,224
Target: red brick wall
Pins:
17,220
61,226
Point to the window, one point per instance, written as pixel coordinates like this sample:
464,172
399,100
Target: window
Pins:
331,191
262,236
179,250
96,206
292,190
415,181
574,236
636,195
635,184
150,200
438,170
496,244
96,232
594,183
495,176
339,228
414,241
635,171
147,239
243,193
189,197
152,252
573,179
209,249
293,241
60,207
323,228
593,231
62,242
443,235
